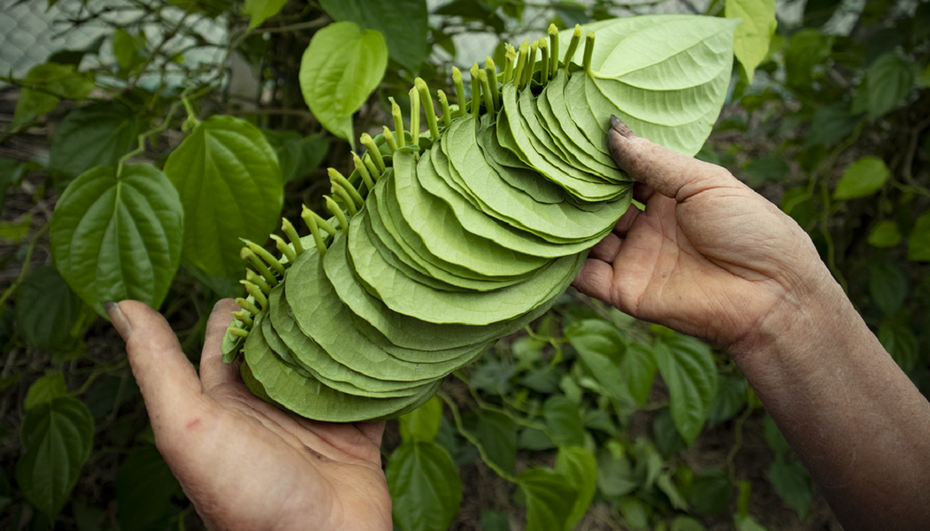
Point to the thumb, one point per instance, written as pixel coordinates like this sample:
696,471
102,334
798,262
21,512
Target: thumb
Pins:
668,172
166,378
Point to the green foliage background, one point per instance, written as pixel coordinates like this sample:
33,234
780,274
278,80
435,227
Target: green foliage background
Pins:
589,416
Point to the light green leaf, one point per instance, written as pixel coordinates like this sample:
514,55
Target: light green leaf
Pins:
862,178
403,23
44,86
425,487
600,346
145,488
57,437
261,10
47,310
890,79
747,523
550,499
580,468
421,424
118,237
918,246
614,474
498,435
753,35
127,48
564,421
793,485
16,231
688,369
686,523
230,185
45,389
339,70
885,235
94,135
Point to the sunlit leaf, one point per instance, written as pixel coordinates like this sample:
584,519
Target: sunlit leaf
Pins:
752,36
422,424
862,178
261,10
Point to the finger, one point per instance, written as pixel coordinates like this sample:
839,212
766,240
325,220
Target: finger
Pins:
606,249
595,280
670,173
213,371
166,378
642,192
373,430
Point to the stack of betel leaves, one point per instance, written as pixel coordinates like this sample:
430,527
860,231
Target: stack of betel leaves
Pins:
441,242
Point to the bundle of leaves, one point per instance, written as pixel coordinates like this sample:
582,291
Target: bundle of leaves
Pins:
442,242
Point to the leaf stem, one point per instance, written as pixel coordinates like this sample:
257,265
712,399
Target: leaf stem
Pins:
572,45
459,91
554,46
474,440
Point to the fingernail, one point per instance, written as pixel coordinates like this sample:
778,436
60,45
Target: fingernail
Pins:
617,125
120,323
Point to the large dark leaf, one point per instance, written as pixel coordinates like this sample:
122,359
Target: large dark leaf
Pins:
402,23
47,309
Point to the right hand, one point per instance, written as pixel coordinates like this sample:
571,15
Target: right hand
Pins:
708,257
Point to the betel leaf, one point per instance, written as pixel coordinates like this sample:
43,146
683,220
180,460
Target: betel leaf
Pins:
580,469
818,12
44,86
807,49
498,435
57,437
711,491
261,10
47,309
94,135
600,346
45,389
862,178
888,284
688,368
550,499
564,421
403,23
338,71
886,234
145,487
230,185
297,155
753,35
422,424
793,484
128,49
639,371
425,487
918,246
890,79
118,237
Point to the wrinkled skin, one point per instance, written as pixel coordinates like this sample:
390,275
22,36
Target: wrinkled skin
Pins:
243,463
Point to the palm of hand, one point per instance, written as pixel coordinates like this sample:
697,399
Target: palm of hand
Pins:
245,464
710,258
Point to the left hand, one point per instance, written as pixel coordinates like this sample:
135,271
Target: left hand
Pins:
243,463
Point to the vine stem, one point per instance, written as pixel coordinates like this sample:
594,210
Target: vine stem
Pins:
737,443
474,440
9,291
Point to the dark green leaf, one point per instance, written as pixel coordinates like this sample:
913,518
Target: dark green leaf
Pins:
747,523
45,389
498,435
493,377
119,237
145,487
635,512
890,79
666,436
580,469
600,346
230,185
10,172
831,124
339,70
57,437
711,490
730,399
774,437
818,12
425,487
533,439
793,484
688,369
888,284
94,135
614,474
862,178
47,310
298,157
900,342
918,247
550,499
564,421
806,49
686,523
127,49
494,521
422,423
639,371
402,23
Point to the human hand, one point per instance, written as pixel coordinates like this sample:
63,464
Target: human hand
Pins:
243,463
708,257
